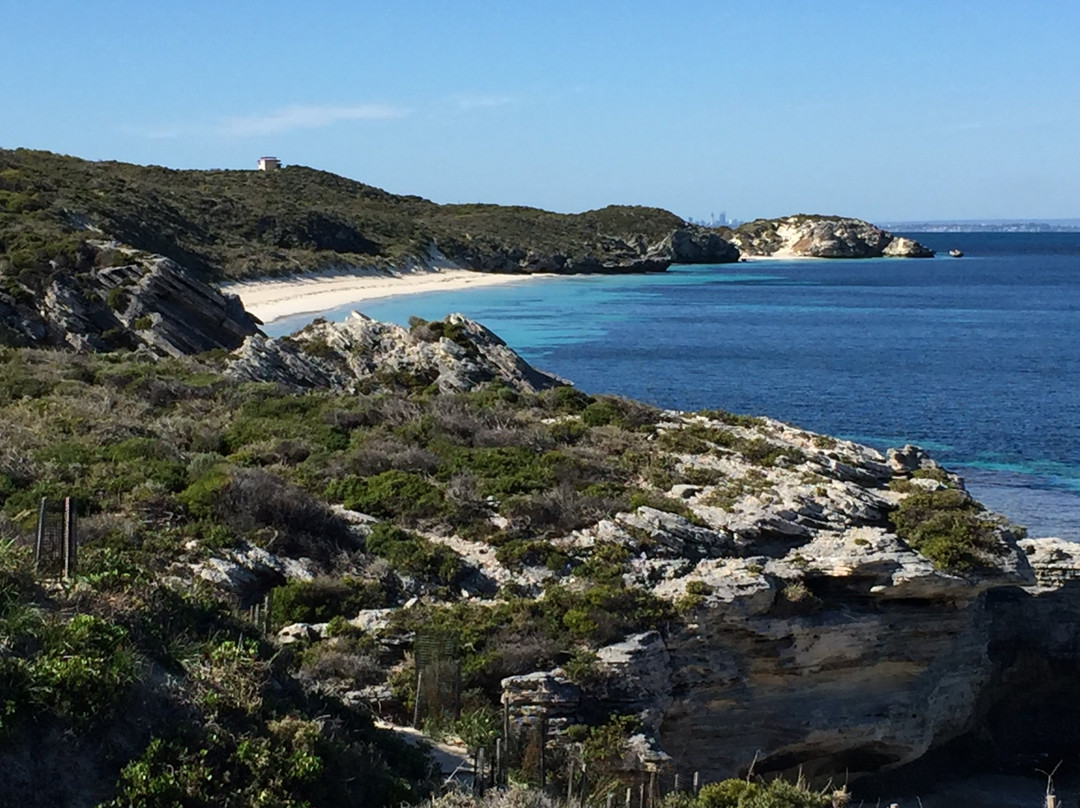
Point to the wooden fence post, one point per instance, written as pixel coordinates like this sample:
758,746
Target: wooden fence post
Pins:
69,539
478,773
416,701
497,764
543,750
569,776
39,547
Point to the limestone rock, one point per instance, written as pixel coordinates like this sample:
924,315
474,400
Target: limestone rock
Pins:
298,633
1055,562
673,535
634,676
908,459
362,353
248,570
546,691
903,247
822,237
152,302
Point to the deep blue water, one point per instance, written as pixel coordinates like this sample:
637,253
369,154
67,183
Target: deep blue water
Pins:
977,359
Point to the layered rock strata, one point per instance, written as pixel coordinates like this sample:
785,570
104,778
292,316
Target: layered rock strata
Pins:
456,354
152,303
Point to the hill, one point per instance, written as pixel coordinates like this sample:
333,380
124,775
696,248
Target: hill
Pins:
236,224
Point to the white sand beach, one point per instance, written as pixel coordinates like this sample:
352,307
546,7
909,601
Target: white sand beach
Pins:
272,299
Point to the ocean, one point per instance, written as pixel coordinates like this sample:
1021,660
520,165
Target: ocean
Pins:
975,359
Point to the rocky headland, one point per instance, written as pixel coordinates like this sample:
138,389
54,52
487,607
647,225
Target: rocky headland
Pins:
709,590
822,237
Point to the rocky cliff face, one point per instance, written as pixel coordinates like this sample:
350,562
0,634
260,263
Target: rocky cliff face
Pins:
606,253
456,355
815,638
822,237
151,302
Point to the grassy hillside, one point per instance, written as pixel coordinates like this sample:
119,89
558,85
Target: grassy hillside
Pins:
231,224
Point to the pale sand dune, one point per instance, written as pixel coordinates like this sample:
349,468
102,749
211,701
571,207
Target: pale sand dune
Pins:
273,299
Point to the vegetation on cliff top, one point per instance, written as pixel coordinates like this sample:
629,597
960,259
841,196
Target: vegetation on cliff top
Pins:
166,688
233,224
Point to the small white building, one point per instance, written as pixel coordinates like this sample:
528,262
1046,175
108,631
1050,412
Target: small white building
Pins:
269,164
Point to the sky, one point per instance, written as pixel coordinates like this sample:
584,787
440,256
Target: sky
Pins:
890,111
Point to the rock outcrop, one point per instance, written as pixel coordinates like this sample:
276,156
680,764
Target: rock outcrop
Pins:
815,638
151,302
822,237
456,354
626,253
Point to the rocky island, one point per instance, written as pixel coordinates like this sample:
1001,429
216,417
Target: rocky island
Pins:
822,237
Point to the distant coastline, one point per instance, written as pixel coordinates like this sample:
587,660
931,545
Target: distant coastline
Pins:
988,226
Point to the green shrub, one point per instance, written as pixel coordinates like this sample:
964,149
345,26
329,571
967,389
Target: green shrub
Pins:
603,613
949,528
83,670
271,415
392,494
567,400
321,600
726,793
503,471
773,794
414,555
205,491
600,413
518,553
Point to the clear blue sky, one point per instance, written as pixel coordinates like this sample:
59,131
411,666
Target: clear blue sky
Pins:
885,110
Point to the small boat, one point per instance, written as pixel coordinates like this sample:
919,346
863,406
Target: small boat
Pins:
956,253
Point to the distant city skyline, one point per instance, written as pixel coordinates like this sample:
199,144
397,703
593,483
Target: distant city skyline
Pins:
924,110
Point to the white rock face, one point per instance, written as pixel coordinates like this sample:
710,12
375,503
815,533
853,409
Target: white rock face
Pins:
362,352
823,237
813,635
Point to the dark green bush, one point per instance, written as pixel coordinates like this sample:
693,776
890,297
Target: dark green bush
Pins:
321,600
567,400
414,555
391,495
949,528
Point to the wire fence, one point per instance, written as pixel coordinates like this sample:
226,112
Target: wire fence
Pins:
56,545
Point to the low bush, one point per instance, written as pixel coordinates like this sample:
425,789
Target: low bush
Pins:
949,528
391,495
321,600
414,555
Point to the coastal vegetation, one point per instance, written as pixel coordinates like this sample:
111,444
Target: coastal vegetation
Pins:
200,495
236,224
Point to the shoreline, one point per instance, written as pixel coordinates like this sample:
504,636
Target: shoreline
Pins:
272,299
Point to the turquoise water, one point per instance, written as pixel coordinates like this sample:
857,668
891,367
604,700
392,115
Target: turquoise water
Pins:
976,359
